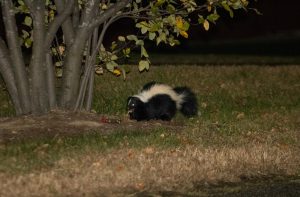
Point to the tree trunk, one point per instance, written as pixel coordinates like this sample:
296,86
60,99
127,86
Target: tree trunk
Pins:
72,67
8,77
15,52
39,94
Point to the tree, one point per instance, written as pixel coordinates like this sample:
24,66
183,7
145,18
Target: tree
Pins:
73,31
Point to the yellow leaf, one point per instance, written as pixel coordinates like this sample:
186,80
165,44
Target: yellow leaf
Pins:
209,8
61,49
179,22
99,70
117,72
206,25
184,34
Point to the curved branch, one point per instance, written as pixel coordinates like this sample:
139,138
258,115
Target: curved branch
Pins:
90,62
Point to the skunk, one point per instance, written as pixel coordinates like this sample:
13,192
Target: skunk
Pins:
160,102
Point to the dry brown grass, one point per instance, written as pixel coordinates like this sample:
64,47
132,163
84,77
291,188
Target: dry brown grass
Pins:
128,171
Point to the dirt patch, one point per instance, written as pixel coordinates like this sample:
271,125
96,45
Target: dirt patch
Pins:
60,123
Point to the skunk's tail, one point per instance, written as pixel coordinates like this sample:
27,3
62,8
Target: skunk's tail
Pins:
189,105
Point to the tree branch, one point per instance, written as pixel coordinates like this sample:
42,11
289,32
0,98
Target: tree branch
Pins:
8,77
57,22
71,72
89,65
67,27
50,81
76,15
39,96
82,89
108,13
91,79
15,52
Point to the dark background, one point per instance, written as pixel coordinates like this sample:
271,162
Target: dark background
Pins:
276,31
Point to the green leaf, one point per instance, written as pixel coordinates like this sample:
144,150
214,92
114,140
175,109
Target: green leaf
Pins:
143,64
213,17
59,72
121,38
171,9
227,8
139,42
151,35
25,34
144,29
111,65
201,19
113,45
28,21
20,2
59,64
144,52
28,42
159,2
114,57
126,52
186,26
132,37
162,37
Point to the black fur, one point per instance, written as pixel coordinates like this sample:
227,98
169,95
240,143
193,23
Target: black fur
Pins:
161,106
189,107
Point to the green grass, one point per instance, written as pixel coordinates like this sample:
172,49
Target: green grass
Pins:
24,156
224,90
236,103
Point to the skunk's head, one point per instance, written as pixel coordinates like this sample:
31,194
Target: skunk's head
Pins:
135,108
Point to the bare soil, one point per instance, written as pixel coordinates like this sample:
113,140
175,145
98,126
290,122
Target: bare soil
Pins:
60,123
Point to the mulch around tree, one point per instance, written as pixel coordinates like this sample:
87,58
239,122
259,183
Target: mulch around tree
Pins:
62,123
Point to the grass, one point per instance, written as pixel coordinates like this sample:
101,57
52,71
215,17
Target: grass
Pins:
249,124
39,154
222,90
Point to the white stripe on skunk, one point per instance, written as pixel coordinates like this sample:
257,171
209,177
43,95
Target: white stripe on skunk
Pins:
157,89
160,101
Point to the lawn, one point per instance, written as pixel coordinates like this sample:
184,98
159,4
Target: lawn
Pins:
248,126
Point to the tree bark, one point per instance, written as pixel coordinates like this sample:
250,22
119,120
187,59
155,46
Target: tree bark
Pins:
9,78
67,26
72,67
71,73
62,18
51,82
15,52
39,94
90,90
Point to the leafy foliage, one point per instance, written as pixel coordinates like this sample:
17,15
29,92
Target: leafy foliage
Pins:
161,21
